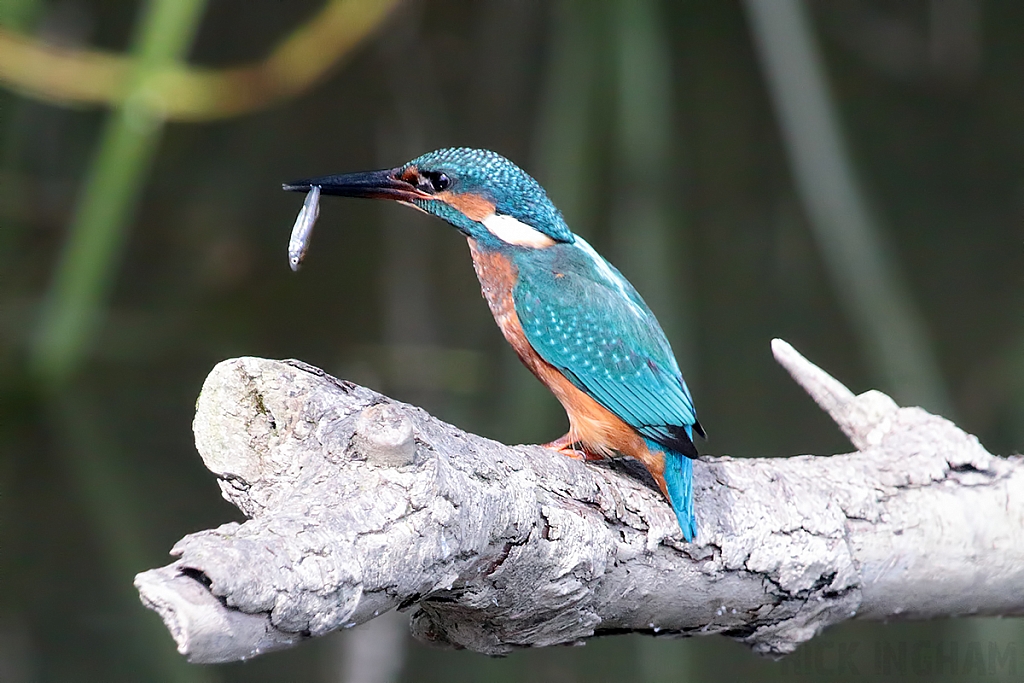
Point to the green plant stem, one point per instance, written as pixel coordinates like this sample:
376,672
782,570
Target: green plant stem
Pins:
865,271
19,15
565,135
647,230
79,293
87,267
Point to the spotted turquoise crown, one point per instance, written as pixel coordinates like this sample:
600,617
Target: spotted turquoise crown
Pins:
489,175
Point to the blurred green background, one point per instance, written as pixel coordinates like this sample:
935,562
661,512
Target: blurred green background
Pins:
846,175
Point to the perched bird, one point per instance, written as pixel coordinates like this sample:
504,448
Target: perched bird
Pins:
571,317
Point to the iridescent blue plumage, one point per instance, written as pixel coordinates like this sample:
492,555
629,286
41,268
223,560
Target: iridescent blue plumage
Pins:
513,192
572,318
612,347
679,480
583,317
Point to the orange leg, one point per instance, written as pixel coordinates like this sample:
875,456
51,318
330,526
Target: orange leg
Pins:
566,445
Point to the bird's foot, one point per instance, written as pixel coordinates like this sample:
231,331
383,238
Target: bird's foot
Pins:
571,448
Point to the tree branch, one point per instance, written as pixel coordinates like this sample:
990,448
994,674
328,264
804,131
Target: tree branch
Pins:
357,504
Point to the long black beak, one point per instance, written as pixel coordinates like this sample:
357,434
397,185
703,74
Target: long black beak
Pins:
384,184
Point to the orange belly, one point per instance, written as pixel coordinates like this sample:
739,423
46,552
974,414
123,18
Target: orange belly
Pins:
596,428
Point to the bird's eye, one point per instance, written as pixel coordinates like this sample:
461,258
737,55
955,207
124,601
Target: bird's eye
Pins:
433,181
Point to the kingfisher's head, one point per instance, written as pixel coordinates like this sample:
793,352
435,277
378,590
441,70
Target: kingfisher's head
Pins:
481,193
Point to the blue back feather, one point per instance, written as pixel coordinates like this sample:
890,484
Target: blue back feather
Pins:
583,317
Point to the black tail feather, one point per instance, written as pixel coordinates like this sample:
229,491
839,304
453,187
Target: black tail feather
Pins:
680,441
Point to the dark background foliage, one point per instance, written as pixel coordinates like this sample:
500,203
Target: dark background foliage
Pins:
653,127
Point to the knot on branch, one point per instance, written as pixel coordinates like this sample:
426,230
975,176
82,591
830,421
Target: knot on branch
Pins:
384,435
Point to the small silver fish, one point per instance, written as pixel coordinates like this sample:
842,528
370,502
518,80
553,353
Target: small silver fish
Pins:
303,228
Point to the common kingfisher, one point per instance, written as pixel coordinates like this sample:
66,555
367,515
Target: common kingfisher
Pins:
570,316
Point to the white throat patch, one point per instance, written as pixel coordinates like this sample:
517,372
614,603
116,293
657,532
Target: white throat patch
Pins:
513,231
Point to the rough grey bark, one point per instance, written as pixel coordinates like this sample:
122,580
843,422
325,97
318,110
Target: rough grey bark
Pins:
357,504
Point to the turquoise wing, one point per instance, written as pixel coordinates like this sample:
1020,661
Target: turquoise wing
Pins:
584,318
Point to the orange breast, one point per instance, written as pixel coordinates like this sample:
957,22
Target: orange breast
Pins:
598,429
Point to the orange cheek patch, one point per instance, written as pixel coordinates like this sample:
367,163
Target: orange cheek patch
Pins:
474,206
411,175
